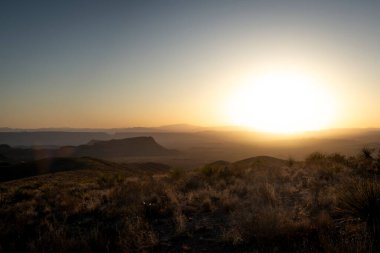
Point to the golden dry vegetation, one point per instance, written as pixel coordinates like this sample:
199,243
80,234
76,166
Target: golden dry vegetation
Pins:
328,203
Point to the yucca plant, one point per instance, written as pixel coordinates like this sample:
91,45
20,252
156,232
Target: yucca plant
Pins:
367,153
361,200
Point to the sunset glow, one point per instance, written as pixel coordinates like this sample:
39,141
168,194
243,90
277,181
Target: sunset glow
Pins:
310,65
282,102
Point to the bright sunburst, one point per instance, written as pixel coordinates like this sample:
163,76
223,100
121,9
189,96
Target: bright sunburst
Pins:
282,103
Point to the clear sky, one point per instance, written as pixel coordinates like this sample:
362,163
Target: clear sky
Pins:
146,63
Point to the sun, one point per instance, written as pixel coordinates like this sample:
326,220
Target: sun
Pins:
282,102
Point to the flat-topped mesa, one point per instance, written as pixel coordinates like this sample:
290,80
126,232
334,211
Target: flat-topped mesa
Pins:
136,146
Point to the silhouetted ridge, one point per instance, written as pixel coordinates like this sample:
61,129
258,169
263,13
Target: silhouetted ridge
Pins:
137,146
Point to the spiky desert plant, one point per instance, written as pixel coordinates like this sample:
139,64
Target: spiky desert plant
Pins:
361,199
367,153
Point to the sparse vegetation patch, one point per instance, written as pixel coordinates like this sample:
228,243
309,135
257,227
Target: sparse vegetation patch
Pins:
255,205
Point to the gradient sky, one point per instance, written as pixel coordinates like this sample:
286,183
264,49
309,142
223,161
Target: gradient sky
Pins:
132,63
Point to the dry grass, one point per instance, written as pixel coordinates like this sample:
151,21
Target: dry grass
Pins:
295,207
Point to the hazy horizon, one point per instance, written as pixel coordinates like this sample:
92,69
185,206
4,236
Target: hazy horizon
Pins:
188,126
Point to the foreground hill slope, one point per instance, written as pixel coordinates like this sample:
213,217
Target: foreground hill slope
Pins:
219,207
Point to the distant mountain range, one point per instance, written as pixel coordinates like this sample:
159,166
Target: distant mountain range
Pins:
197,144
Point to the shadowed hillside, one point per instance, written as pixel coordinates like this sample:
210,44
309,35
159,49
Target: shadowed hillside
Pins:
129,147
60,164
50,165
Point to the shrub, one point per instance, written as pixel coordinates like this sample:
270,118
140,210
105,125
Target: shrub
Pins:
361,200
290,162
190,183
366,153
315,157
223,172
176,173
337,158
106,180
207,171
